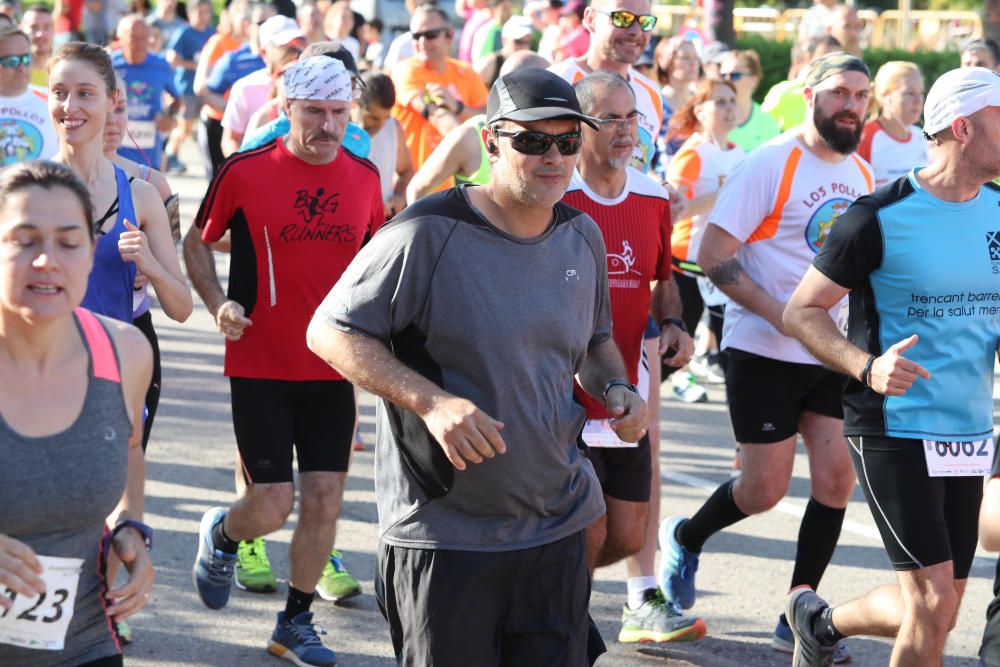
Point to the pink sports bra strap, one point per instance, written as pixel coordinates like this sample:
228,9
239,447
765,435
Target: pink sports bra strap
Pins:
99,342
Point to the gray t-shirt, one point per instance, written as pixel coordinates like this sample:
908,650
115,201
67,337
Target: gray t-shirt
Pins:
505,323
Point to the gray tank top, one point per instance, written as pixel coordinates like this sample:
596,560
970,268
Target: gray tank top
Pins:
56,492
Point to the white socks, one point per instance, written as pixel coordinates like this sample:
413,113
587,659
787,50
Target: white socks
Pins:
637,586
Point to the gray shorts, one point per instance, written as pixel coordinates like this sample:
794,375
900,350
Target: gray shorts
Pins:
460,608
192,107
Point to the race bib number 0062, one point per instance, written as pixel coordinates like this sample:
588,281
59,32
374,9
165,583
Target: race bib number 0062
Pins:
959,459
41,621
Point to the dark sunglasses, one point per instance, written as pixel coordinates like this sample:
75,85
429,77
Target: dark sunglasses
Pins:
624,20
734,76
428,34
538,143
10,62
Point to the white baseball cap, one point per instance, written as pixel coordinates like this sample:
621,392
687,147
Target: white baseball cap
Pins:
278,31
516,27
959,94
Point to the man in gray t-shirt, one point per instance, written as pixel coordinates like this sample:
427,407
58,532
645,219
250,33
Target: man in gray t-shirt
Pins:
469,315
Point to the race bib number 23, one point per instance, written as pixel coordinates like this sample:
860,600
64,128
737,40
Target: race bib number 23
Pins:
959,459
41,621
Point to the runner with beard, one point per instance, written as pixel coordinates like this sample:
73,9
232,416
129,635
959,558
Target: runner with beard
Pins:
772,215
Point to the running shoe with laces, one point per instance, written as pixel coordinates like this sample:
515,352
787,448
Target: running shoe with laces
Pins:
297,641
213,568
784,641
253,569
656,620
336,584
677,565
684,388
803,606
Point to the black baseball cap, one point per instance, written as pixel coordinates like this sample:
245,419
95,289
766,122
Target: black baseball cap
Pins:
532,93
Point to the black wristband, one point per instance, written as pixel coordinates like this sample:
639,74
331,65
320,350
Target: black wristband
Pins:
140,527
459,107
618,383
866,372
677,322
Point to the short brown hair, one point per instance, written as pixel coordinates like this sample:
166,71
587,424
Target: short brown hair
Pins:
47,175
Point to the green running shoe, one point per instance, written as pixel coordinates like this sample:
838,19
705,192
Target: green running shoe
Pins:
657,620
337,584
253,569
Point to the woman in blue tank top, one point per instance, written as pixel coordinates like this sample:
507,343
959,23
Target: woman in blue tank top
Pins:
70,417
131,222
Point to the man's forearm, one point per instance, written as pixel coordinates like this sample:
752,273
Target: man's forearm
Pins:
201,271
819,334
728,276
602,364
368,363
665,301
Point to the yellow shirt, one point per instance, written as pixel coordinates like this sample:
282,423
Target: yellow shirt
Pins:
40,78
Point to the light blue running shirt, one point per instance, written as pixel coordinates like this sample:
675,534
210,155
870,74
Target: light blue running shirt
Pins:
356,139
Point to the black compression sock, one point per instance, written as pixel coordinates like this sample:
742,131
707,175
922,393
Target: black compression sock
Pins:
297,603
718,512
818,535
823,628
222,541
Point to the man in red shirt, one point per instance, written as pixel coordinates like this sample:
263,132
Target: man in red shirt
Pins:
633,213
298,209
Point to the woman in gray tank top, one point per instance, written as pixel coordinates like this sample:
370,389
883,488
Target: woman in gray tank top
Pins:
71,392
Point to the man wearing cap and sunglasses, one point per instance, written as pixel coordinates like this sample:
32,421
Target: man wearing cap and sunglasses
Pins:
619,33
772,215
469,314
27,132
920,259
288,249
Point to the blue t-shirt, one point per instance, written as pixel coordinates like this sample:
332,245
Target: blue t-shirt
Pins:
187,43
146,84
356,139
918,265
231,67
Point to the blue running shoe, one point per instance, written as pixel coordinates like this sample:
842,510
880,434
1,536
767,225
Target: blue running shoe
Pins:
213,569
677,565
297,641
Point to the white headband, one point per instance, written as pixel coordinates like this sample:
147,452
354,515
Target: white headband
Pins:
318,78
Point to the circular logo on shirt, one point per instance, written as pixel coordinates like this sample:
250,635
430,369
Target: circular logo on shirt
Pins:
19,141
822,221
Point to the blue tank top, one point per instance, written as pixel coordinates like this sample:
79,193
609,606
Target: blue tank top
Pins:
109,289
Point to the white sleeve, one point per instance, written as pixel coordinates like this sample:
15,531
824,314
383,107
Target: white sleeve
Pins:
748,194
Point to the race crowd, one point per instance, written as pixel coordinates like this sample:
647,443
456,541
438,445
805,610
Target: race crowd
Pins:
638,224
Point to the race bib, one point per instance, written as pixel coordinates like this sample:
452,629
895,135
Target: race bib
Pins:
959,459
40,622
143,133
598,433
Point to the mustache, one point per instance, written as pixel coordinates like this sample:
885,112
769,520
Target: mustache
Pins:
841,115
324,136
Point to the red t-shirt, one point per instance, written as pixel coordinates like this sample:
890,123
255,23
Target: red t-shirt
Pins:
636,229
294,227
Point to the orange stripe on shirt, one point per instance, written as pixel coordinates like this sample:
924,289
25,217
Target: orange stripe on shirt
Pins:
864,172
769,226
654,96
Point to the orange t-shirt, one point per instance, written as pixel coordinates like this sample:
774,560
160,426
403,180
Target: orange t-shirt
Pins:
216,47
411,78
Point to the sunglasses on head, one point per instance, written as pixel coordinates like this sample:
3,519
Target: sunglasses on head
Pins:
428,34
624,20
538,143
10,62
734,76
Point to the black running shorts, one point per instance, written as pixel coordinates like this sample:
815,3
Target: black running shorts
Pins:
523,608
625,473
767,397
271,416
923,520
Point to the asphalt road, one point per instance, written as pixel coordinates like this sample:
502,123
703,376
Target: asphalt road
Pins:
741,583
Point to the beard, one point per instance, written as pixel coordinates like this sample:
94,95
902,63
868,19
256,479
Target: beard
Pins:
839,140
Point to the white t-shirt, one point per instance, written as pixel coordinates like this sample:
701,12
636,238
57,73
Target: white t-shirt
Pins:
383,154
400,49
26,131
889,157
647,101
781,203
247,96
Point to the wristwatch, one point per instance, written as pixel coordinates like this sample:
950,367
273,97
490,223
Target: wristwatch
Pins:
144,530
619,383
677,322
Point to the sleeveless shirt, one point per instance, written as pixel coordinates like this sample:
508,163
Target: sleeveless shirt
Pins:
111,282
57,491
